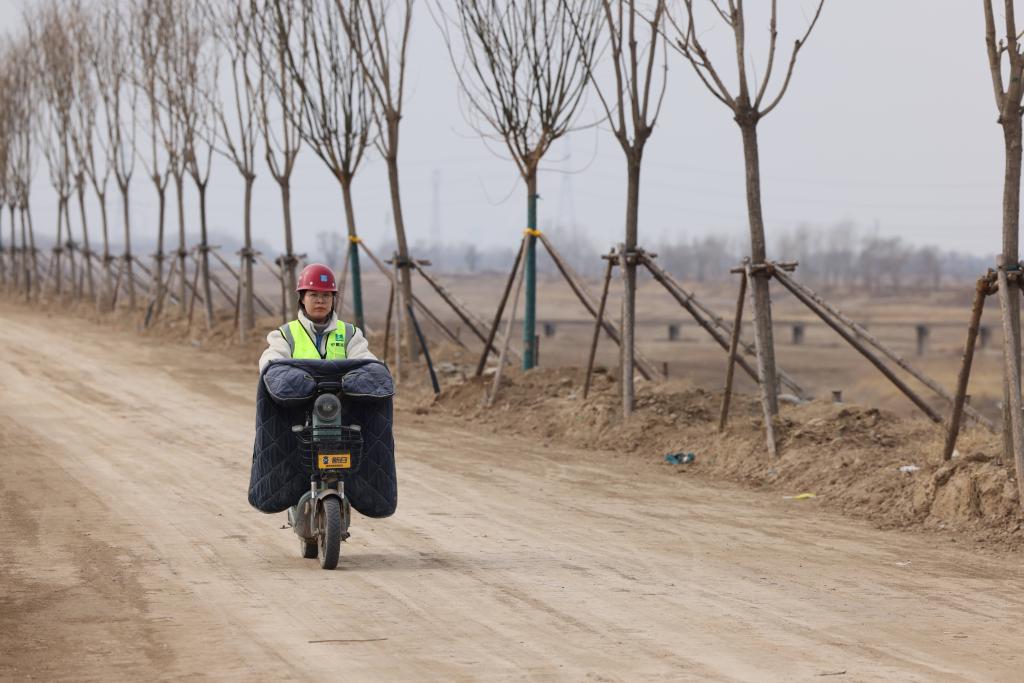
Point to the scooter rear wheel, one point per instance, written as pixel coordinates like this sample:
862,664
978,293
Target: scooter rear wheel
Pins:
328,534
308,548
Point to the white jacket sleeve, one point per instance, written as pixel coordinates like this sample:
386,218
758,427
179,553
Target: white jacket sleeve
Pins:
358,346
277,348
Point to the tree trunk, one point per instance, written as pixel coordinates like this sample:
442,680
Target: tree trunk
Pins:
129,276
86,248
629,281
58,247
70,244
530,278
353,254
15,265
27,257
759,282
1012,133
161,190
27,212
4,255
108,275
248,318
182,254
403,249
204,257
288,275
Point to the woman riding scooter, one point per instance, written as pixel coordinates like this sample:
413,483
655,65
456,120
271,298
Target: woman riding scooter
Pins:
318,334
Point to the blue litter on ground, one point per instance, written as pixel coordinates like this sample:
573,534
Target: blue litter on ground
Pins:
680,458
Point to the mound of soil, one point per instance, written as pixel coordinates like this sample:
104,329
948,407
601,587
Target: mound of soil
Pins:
849,456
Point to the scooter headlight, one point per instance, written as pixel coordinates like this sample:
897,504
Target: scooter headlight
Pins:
327,409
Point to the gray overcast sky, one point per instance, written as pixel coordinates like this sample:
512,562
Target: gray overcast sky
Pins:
890,121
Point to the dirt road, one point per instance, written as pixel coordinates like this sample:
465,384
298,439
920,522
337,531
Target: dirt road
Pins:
128,551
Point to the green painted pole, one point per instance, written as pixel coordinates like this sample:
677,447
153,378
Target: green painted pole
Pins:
530,314
357,283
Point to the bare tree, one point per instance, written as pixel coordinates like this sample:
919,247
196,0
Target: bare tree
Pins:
158,57
235,31
1006,65
632,113
191,84
116,84
83,129
523,76
54,72
369,26
8,262
280,107
164,154
749,103
22,107
334,114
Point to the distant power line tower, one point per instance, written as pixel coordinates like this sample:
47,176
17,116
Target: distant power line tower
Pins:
435,220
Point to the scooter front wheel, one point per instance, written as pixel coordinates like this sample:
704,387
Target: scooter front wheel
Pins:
328,533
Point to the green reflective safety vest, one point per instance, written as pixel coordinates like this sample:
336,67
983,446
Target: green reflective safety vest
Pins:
303,346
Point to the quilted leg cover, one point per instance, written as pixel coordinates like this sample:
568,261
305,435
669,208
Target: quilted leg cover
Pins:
279,478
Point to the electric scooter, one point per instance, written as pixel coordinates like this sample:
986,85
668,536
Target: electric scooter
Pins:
330,451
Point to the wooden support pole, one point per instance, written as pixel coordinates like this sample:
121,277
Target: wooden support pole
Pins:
766,406
508,335
223,288
236,318
387,321
726,330
274,270
645,367
227,266
474,324
853,341
156,304
981,291
870,339
662,277
189,287
415,299
398,320
719,330
598,321
195,290
734,341
482,363
627,260
448,332
117,283
1012,372
426,351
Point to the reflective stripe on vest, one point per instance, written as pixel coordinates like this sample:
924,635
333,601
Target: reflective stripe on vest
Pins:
303,346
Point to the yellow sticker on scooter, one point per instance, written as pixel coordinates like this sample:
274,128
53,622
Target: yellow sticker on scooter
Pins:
335,461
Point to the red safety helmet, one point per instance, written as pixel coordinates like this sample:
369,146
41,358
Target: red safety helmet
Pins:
318,278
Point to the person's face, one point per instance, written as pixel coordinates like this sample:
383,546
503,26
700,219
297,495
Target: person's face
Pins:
317,304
